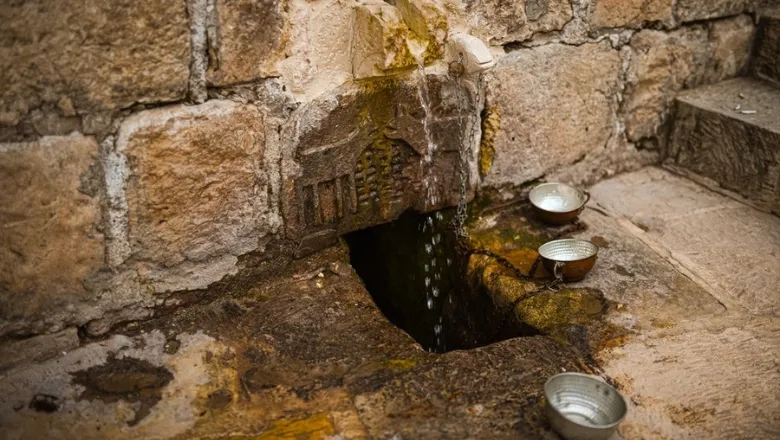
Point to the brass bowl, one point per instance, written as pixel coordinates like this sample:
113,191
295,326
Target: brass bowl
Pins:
558,203
583,407
569,259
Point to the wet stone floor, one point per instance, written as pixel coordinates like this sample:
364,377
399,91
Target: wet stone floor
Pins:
308,354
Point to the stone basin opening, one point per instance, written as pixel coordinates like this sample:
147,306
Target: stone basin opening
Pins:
418,276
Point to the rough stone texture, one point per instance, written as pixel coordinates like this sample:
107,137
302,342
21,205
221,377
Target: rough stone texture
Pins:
661,65
700,383
110,55
731,249
308,354
196,190
293,359
362,158
37,349
556,103
692,10
506,21
741,152
320,58
692,368
767,58
630,13
664,63
251,38
49,211
732,41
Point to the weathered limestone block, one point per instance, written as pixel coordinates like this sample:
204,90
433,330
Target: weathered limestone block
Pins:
732,41
196,191
630,13
767,61
251,38
664,63
360,156
49,213
739,151
387,38
506,21
555,103
105,56
692,10
661,64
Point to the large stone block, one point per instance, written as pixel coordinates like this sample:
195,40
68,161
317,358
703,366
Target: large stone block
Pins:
251,37
556,103
693,10
661,64
106,54
49,214
731,145
362,156
767,60
732,42
506,21
622,13
196,191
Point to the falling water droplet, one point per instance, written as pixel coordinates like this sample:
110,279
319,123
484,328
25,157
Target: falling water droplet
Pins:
430,304
449,262
427,282
435,291
426,267
428,248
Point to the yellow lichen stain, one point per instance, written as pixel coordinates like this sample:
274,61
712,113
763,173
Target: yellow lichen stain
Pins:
615,342
315,427
487,150
658,323
399,364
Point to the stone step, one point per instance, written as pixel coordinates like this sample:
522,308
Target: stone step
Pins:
730,133
766,63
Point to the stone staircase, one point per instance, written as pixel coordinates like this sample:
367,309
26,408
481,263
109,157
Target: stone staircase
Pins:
729,133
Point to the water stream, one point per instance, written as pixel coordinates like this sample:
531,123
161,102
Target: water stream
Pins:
433,224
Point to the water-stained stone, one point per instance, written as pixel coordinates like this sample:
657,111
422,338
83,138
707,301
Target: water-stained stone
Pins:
129,379
360,156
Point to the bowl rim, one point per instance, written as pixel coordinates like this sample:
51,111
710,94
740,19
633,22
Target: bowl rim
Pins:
541,185
560,240
591,377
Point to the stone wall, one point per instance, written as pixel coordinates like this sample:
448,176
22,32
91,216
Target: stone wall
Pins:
149,150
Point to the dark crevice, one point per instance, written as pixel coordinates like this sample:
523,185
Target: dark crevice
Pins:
417,275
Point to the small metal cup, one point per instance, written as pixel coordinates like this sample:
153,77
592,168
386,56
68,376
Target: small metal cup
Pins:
583,407
558,203
568,259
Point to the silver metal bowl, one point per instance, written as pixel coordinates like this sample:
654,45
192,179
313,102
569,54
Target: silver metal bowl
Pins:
583,407
557,203
569,258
